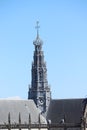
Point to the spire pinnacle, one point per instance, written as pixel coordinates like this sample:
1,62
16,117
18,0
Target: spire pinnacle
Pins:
37,27
37,41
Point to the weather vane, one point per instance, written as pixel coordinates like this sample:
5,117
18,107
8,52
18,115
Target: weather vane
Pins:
37,27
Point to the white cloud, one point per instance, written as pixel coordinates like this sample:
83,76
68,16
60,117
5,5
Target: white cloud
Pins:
12,98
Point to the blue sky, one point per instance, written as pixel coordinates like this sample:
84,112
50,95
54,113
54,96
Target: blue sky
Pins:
63,29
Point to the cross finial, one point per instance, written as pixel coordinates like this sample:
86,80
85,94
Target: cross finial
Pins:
37,27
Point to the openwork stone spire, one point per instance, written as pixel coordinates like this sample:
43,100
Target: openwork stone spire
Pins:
39,90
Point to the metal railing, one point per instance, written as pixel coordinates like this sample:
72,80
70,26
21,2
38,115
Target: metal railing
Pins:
39,125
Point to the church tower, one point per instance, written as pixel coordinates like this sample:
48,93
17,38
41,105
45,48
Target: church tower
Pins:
39,89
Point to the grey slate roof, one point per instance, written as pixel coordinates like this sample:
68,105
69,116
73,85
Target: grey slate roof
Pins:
68,109
24,107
